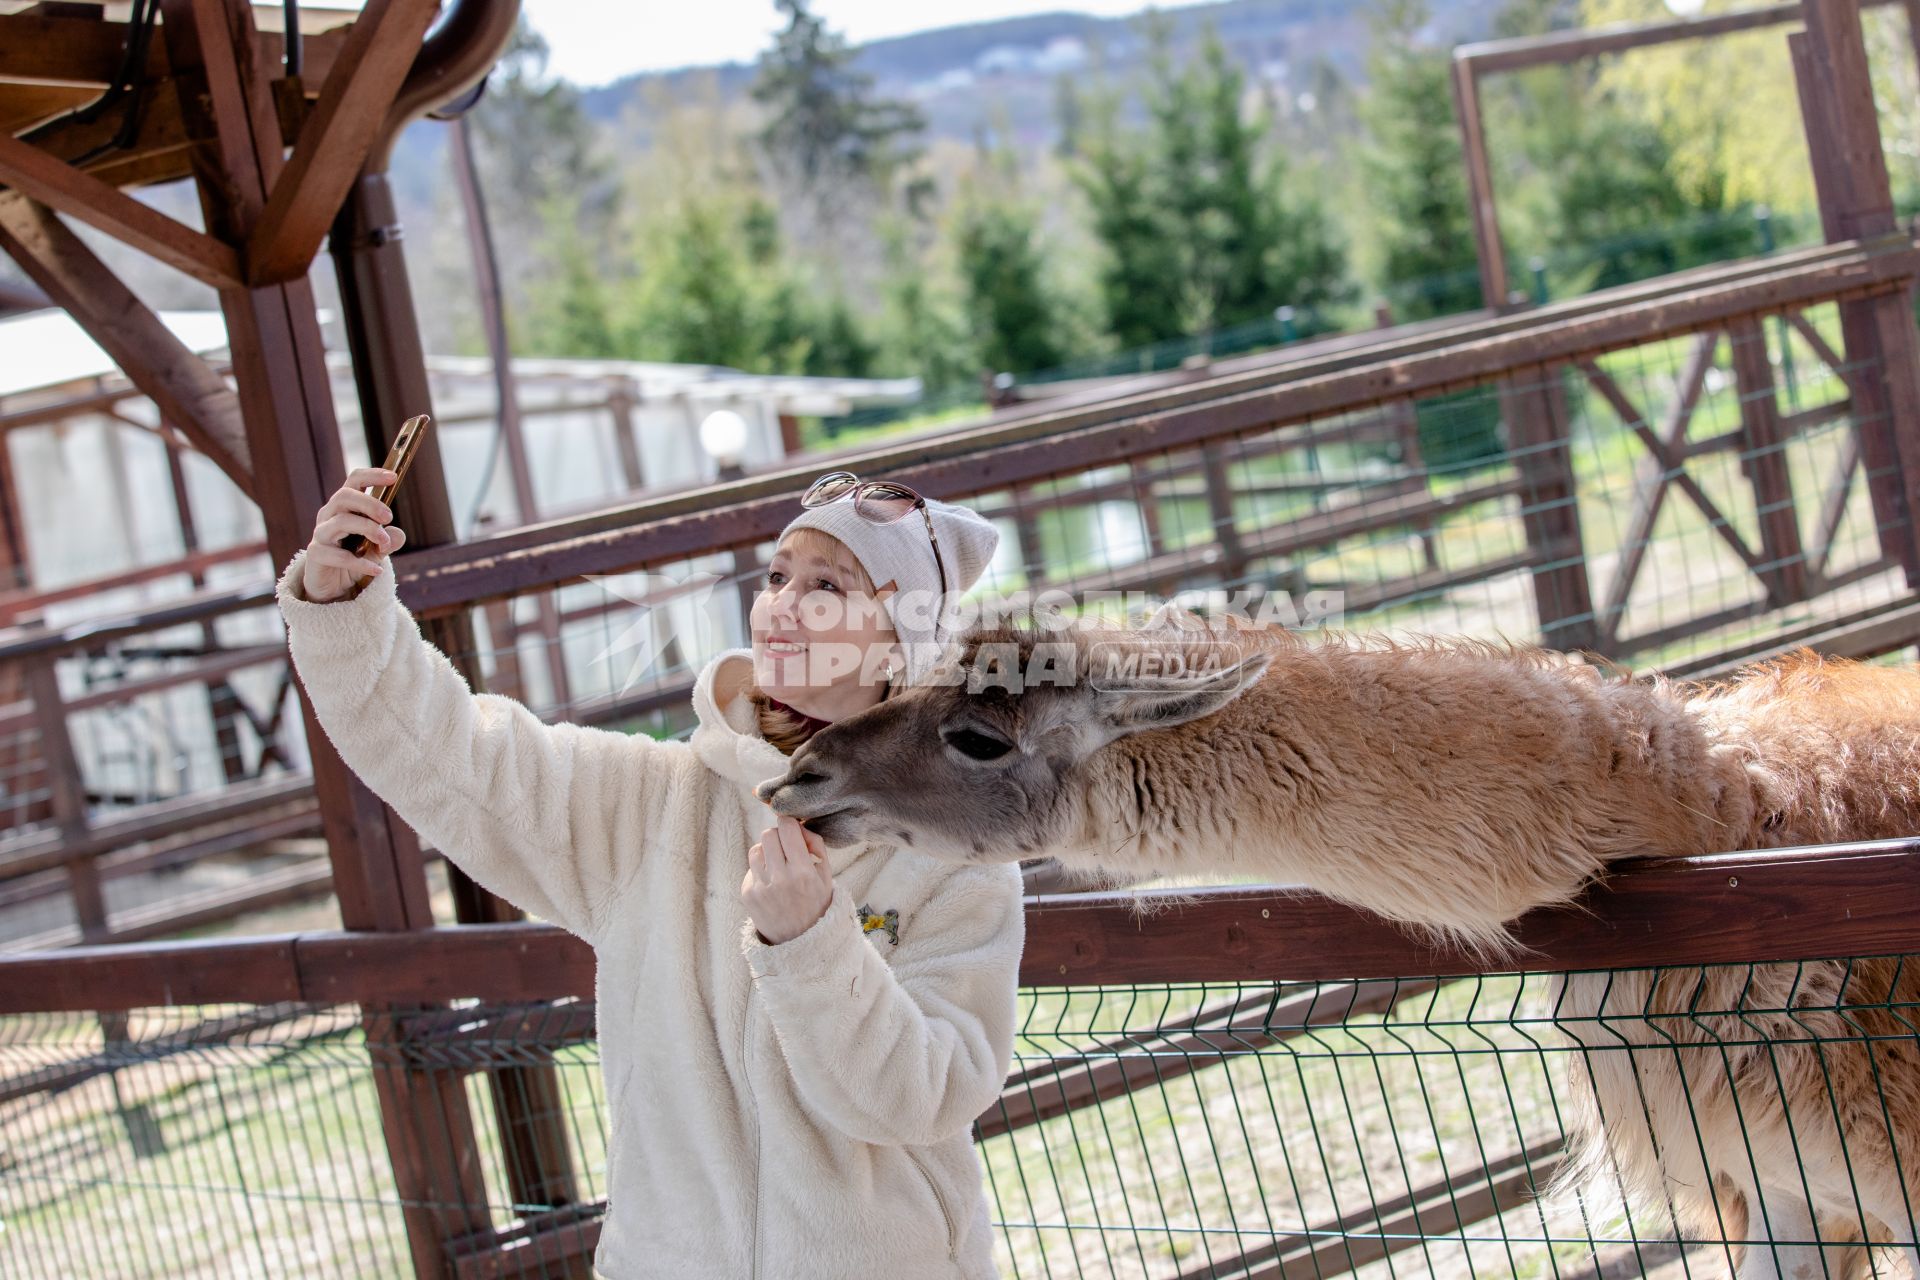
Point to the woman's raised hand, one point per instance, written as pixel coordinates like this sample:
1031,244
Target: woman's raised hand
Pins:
330,570
788,885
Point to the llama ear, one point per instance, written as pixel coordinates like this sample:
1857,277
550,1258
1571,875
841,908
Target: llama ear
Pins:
1161,702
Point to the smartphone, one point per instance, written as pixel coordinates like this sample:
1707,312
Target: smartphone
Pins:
406,446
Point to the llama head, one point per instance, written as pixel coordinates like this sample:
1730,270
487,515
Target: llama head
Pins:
990,758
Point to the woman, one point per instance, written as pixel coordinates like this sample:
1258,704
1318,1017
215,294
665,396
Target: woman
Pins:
796,1038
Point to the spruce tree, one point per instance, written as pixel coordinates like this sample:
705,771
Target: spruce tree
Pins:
1195,213
826,129
1016,323
1415,173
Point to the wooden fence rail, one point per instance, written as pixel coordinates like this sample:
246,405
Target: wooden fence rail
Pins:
1733,908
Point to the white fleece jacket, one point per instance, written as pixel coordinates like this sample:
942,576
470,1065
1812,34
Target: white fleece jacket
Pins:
797,1110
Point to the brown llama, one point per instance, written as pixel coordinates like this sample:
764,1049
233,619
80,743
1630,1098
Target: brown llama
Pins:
1453,786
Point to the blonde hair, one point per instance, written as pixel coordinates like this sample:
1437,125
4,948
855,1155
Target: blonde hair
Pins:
783,728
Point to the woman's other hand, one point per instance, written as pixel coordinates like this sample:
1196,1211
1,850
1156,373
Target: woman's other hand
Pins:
788,884
330,571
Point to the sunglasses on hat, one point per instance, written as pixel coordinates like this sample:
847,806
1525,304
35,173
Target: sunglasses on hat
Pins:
877,502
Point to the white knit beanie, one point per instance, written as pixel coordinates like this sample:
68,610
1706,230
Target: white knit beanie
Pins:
901,553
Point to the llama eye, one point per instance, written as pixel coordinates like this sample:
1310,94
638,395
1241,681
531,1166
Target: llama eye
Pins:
976,745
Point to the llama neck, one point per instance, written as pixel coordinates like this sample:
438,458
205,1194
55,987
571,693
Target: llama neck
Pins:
1454,787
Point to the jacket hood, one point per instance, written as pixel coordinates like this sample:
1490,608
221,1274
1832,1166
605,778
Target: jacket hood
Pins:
728,740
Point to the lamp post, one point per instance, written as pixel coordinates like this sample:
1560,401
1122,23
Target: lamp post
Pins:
723,435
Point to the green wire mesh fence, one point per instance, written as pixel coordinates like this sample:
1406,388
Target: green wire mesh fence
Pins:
1400,1127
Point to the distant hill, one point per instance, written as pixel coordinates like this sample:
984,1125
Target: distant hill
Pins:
1004,77
970,76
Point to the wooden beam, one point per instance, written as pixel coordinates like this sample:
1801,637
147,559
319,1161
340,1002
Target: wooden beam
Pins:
1850,136
51,50
161,150
1769,906
1788,904
190,394
1763,459
24,105
1485,208
229,104
368,71
39,176
43,850
1868,634
40,48
1561,47
162,130
261,891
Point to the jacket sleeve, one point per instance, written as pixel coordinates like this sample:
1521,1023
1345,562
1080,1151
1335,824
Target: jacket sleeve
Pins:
912,1052
548,816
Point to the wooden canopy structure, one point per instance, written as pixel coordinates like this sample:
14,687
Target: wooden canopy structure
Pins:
285,139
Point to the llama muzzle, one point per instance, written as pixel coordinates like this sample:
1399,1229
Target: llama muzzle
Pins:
800,793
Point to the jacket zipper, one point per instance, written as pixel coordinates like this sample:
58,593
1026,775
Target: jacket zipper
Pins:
753,1115
953,1234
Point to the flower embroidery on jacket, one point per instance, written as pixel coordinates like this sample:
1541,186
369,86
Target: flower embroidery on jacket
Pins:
871,920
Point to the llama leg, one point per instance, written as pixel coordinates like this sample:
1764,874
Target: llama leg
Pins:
1783,1236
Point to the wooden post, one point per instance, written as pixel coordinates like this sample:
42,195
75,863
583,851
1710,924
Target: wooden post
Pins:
1233,556
746,582
1149,504
505,634
621,398
286,399
1763,460
1491,248
223,704
68,795
1534,403
1912,8
1404,417
1026,530
83,874
1856,202
21,763
790,442
14,573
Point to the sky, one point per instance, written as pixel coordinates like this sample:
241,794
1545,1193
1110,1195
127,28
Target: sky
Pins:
590,48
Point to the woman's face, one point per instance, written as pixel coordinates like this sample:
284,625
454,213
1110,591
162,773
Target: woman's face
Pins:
821,639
